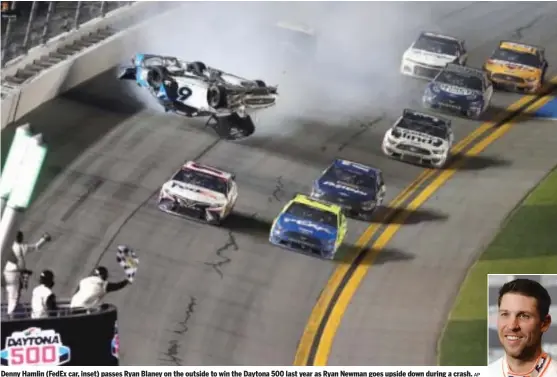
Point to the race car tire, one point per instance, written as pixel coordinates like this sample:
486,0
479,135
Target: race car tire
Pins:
212,219
167,205
261,83
155,77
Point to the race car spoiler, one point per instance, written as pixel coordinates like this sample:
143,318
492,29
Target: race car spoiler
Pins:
443,36
523,45
476,72
418,116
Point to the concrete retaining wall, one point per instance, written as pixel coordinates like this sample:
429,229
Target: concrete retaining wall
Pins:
73,71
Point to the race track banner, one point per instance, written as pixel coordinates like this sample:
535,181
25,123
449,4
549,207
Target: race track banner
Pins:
67,340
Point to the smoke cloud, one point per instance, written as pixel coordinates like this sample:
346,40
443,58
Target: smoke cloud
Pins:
352,69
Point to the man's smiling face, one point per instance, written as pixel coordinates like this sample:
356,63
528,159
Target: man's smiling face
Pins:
519,325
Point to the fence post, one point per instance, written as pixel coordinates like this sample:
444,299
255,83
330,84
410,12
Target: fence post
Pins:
29,23
7,36
77,14
46,29
103,9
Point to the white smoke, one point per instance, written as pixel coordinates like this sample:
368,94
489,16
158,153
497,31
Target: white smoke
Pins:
353,72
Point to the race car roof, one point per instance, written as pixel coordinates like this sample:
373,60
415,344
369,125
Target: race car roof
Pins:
354,167
520,47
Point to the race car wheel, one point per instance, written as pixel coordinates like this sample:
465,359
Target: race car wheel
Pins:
155,77
167,205
216,97
212,218
261,83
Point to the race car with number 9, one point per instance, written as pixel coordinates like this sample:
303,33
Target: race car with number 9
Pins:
193,89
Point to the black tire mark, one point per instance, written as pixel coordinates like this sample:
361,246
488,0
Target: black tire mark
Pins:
363,128
230,244
278,191
518,33
171,353
93,185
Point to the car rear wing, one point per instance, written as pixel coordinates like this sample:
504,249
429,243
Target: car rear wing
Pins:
523,45
419,116
443,36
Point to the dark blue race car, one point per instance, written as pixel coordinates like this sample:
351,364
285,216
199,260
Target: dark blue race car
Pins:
458,89
357,188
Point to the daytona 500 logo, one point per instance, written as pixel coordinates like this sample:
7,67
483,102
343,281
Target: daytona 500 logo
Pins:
35,346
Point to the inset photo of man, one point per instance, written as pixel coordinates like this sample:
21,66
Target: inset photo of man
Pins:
522,325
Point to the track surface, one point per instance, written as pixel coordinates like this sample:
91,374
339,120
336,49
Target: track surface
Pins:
210,296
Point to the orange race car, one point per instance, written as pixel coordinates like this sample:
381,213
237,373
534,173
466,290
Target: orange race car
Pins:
517,67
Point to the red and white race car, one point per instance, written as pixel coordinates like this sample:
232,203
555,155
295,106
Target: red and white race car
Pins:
199,191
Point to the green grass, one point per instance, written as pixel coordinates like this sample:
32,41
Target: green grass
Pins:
525,245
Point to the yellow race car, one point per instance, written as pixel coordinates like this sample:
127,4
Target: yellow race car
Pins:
517,67
310,225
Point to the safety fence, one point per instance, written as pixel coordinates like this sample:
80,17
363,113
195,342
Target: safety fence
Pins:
63,338
27,24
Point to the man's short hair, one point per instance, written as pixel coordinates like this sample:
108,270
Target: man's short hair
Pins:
528,288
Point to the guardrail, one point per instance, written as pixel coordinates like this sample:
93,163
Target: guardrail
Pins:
88,338
20,99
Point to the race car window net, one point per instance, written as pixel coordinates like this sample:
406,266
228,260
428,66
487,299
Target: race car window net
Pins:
201,179
512,56
437,45
317,215
461,80
352,178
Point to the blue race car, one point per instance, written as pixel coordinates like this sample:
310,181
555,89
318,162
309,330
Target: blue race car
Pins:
311,226
359,189
459,89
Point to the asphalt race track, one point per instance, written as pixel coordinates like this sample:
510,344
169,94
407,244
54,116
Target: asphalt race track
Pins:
224,296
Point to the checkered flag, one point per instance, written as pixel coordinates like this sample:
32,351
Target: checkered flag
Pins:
127,258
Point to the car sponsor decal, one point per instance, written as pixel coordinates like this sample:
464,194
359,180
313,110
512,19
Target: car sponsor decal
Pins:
308,224
341,186
455,90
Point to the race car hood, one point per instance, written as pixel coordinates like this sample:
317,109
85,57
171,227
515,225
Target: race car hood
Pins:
346,190
455,92
508,68
428,58
419,139
192,192
289,223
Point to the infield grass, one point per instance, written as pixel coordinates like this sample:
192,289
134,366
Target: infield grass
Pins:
526,244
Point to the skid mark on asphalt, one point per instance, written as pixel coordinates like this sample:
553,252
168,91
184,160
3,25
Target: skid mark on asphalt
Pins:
278,192
171,353
93,185
229,245
518,33
363,128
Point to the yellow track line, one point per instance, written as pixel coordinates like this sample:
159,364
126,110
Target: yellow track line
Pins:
314,321
350,288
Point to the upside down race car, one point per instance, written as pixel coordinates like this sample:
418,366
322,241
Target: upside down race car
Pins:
359,189
201,192
311,226
193,89
517,67
458,89
419,136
